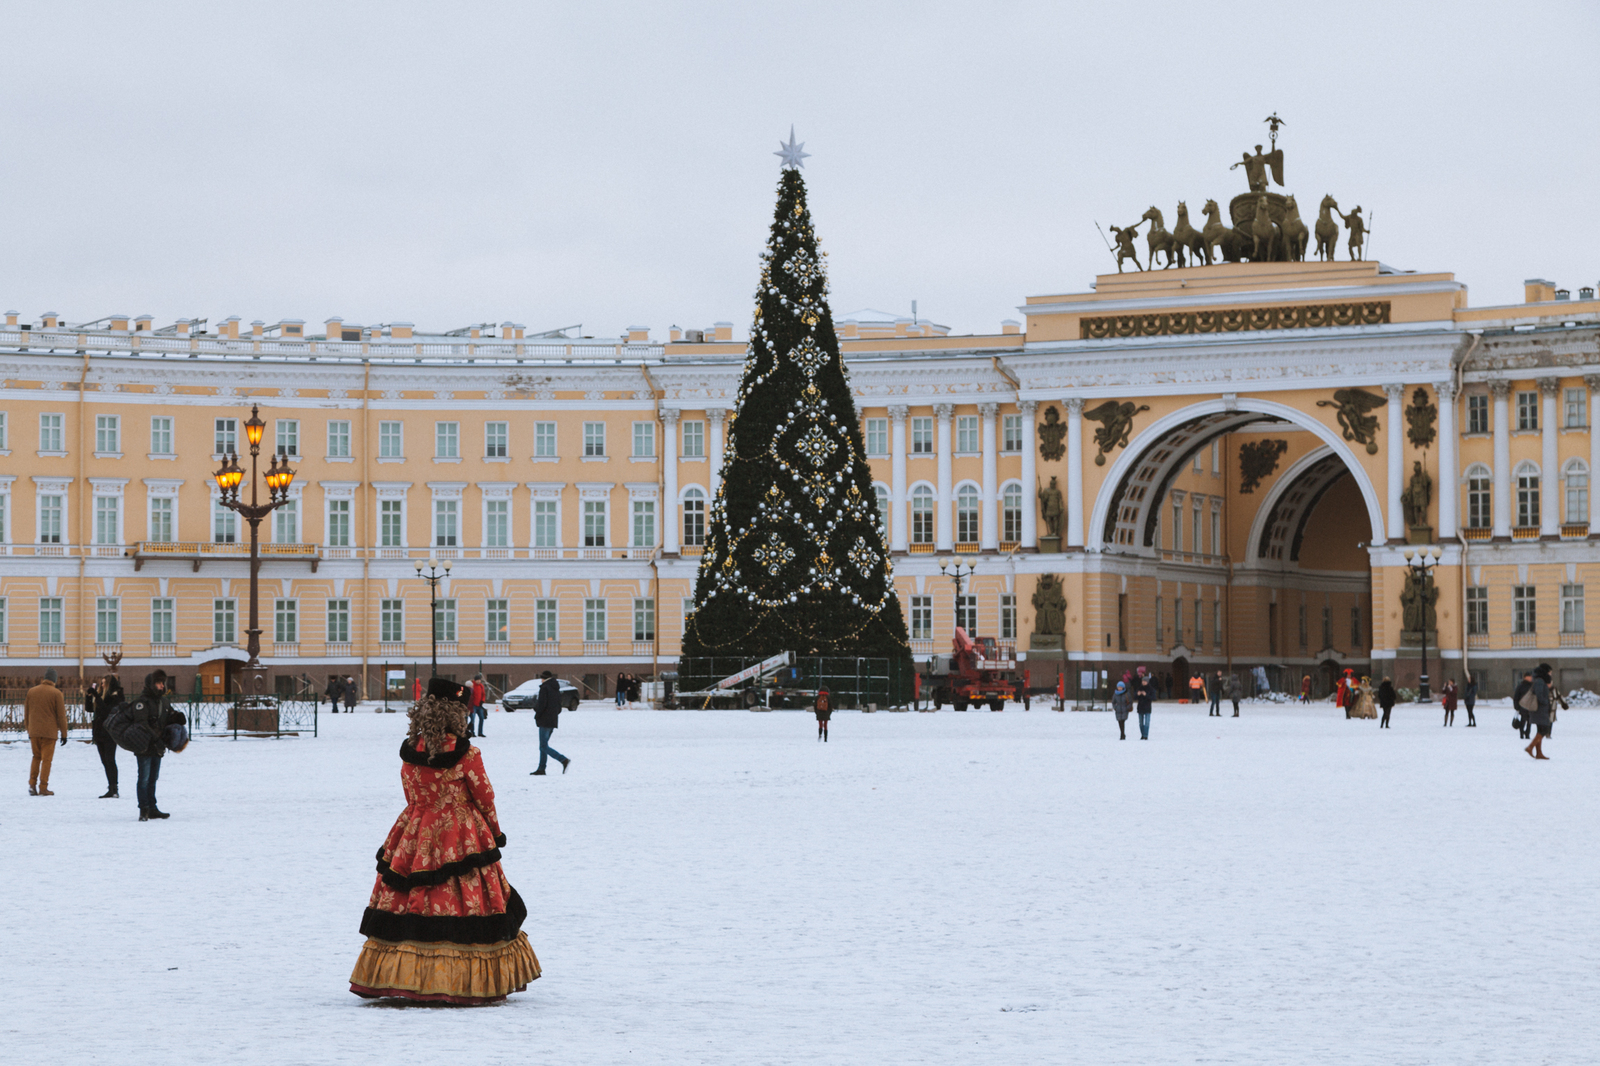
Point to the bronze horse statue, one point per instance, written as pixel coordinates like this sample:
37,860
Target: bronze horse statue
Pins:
1158,238
1295,234
1263,229
1327,229
1187,238
1217,233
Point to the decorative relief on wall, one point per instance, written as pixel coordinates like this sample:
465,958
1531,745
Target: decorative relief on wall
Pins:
1257,460
1354,418
1420,417
1116,425
1052,431
1234,320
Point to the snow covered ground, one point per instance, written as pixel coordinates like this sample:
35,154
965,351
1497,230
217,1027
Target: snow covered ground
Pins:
1286,887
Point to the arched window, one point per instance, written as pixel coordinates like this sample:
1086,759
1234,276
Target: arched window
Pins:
922,515
967,515
694,518
1480,513
883,509
1011,514
1576,475
1527,495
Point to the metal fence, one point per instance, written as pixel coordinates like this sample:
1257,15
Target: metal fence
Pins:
11,700
238,716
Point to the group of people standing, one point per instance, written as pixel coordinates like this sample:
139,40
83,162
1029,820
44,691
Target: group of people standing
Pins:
342,690
628,687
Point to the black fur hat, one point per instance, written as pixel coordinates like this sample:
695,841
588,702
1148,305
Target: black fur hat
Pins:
441,689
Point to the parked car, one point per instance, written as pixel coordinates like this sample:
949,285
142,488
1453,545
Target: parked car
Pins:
524,694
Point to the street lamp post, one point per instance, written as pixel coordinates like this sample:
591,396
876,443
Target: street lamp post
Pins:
433,577
1421,565
952,569
279,477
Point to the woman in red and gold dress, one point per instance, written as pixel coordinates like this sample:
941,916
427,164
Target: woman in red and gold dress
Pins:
443,925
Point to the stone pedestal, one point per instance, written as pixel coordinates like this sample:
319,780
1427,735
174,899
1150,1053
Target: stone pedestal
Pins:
1420,535
1049,545
1044,642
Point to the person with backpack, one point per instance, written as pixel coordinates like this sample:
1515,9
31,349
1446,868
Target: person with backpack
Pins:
44,713
105,696
148,717
824,711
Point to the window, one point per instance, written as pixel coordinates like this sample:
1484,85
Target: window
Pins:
1479,496
1177,620
1327,626
497,524
644,440
544,620
694,439
50,620
389,440
107,509
107,433
1572,608
594,439
5,501
161,519
2,620
338,621
1194,542
882,496
1477,413
497,440
1011,435
967,613
391,524
967,433
1216,622
160,435
922,515
1527,410
1177,525
1303,634
1008,617
922,618
338,440
967,515
107,620
594,621
286,621
223,613
444,620
1524,610
1477,611
544,524
877,436
544,440
447,440
445,523
694,518
922,436
1355,629
644,523
594,523
1527,495
1575,403
1216,531
391,621
224,523
286,436
644,619
50,439
286,523
339,523
1199,623
1197,463
497,621
227,436
1216,458
50,506
1161,632
3,447
1011,514
1577,492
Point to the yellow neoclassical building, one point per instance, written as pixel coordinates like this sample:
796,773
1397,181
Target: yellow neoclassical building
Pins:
1218,463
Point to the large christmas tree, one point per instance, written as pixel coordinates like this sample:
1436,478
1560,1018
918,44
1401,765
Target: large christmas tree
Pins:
796,559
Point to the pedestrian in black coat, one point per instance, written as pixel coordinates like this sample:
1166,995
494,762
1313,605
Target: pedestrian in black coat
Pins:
547,716
152,709
1469,697
334,691
1538,718
1143,693
1235,692
1386,698
350,695
103,696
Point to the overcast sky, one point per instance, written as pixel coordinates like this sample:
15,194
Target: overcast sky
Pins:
611,164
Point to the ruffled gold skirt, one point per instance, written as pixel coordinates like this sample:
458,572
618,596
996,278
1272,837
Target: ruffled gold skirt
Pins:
462,974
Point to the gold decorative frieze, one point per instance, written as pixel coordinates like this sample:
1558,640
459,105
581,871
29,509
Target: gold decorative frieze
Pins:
1236,319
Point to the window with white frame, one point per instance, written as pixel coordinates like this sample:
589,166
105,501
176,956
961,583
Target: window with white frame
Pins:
1355,628
1216,458
338,523
286,621
882,495
1011,514
644,440
922,436
1177,525
694,440
5,520
1477,611
1477,413
1572,608
107,620
447,440
160,435
594,523
226,439
967,613
107,433
877,436
107,519
51,506
594,621
50,435
50,613
3,639
967,434
286,523
1527,495
391,440
544,440
594,439
1575,475
1524,609
1216,530
224,523
161,519
1304,636
1527,410
1327,626
1480,496
497,524
1161,633
694,518
338,621
1011,433
224,614
546,530
446,519
338,439
3,445
391,523
1198,467
391,621
497,440
1577,403
1216,622
967,515
922,618
922,515
1008,617
1199,622
544,621
497,621
644,523
1177,620
444,620
1195,527
286,436
644,619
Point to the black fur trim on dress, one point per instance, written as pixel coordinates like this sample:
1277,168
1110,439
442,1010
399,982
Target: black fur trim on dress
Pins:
442,761
437,876
431,929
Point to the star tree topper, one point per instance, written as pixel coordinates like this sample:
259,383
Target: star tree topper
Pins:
792,154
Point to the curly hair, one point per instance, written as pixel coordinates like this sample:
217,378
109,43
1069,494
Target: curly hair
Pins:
433,719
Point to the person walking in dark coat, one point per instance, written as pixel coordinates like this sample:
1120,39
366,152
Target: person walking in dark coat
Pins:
1543,670
1386,698
152,710
1447,696
103,696
824,711
1235,692
350,694
547,715
334,691
1469,696
1538,716
1526,728
1216,695
1143,693
1119,706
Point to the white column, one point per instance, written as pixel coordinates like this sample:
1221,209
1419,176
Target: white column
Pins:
1549,460
1502,458
1074,407
991,479
714,415
945,536
669,459
1397,463
898,523
1449,476
1030,487
1593,381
